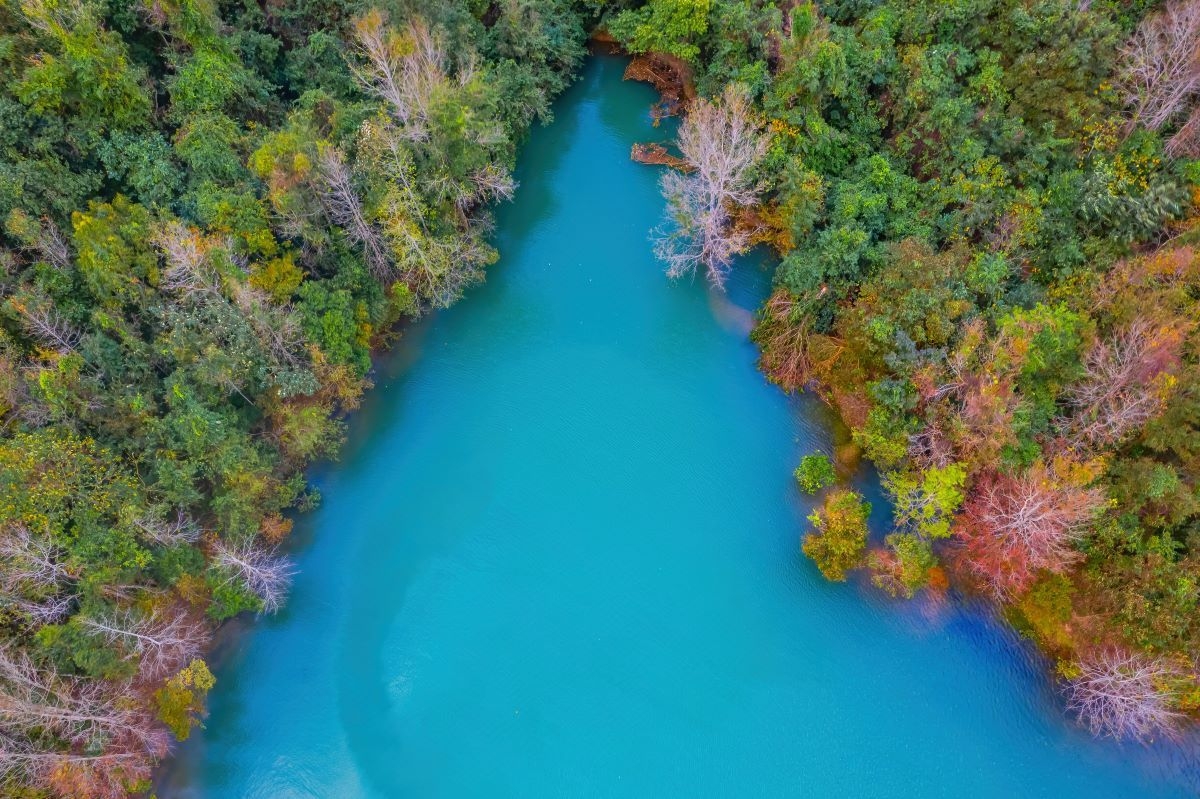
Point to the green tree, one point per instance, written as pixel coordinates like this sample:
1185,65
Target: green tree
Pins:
839,537
673,27
814,473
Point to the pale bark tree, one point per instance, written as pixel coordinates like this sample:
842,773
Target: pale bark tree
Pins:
162,641
406,70
1120,694
167,532
436,265
345,209
1160,71
44,323
1185,143
1125,383
79,737
31,560
264,573
722,142
44,238
276,327
33,579
188,272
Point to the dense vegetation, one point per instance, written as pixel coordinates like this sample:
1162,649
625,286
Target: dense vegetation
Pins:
212,211
987,217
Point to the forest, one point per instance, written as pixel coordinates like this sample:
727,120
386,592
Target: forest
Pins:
214,212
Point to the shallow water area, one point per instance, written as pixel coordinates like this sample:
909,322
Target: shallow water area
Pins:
560,557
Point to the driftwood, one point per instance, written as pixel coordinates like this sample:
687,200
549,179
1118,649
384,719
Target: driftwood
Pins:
656,154
667,74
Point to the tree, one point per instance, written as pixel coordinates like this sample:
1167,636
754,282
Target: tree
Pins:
722,142
1125,382
80,737
1016,526
1160,70
904,566
161,640
166,532
181,700
814,473
34,578
406,70
840,537
265,574
925,503
663,26
345,210
1121,694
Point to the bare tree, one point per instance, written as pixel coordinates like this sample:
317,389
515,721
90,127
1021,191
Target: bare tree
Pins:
722,142
42,237
488,183
168,532
162,641
1185,143
1122,694
81,737
1160,73
1124,382
30,560
345,210
406,70
34,579
275,327
263,572
43,322
1014,527
53,246
188,271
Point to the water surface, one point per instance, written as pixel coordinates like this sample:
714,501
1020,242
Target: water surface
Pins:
560,558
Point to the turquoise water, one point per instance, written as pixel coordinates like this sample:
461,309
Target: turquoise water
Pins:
560,558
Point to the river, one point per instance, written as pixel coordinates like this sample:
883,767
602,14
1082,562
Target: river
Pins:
560,557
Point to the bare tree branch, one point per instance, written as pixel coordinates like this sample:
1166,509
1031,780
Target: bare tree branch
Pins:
1160,72
1124,383
163,640
722,142
1121,694
264,573
73,734
345,209
44,323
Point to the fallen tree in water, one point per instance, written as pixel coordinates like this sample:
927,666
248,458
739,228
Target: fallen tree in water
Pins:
657,155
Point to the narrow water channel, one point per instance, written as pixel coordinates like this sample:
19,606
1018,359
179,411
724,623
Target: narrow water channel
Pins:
560,558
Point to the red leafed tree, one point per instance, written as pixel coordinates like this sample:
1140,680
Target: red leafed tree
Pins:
1012,527
1121,694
